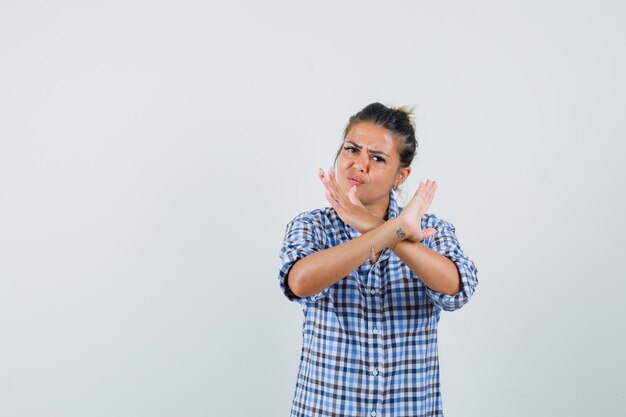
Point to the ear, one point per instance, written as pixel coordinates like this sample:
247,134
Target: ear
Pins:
403,174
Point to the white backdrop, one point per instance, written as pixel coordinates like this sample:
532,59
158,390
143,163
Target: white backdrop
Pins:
152,153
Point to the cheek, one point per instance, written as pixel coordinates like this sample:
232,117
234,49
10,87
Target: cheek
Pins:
342,167
342,181
386,179
341,178
343,160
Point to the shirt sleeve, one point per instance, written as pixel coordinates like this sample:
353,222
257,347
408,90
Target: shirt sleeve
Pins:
303,237
446,243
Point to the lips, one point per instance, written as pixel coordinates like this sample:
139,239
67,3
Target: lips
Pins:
355,181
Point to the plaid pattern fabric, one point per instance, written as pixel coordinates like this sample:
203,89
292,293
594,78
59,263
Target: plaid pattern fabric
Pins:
370,340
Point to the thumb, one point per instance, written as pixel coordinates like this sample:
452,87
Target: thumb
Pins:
429,232
353,198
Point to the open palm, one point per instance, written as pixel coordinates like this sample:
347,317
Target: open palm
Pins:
415,210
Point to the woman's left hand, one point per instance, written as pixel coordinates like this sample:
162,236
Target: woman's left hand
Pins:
348,207
416,209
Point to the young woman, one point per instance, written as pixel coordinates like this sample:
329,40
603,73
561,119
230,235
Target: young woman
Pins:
372,279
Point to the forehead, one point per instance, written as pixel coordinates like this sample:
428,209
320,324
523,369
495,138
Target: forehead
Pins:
372,136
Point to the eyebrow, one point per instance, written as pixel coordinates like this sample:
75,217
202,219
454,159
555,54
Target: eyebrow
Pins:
359,147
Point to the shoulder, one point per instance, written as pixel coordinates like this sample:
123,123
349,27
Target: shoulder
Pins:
321,220
315,217
431,220
316,225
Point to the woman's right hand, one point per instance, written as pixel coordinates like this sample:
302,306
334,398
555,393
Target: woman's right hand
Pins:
348,207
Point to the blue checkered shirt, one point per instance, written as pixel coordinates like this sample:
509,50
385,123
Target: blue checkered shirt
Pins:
370,340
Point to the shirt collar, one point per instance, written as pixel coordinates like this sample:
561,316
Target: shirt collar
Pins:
392,210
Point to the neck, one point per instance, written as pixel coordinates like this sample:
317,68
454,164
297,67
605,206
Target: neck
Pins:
379,208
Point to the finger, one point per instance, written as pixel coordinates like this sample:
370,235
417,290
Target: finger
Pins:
426,205
420,190
430,191
353,197
426,197
335,195
426,233
332,200
429,186
433,187
431,195
332,180
326,185
330,194
429,232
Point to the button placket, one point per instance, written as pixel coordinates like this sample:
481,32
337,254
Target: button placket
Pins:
376,353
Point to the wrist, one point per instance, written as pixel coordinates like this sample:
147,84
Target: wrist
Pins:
410,228
371,224
403,227
400,230
392,232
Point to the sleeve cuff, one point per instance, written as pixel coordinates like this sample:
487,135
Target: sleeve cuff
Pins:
469,280
287,261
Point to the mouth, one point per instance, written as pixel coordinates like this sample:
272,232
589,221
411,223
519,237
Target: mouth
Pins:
355,181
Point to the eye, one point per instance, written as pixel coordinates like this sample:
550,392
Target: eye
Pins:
351,149
378,159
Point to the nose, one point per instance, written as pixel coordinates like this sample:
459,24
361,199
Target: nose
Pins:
362,162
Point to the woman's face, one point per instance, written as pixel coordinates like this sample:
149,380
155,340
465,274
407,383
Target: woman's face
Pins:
370,161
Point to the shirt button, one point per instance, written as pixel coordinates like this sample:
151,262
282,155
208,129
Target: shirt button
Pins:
375,372
373,291
373,413
375,330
